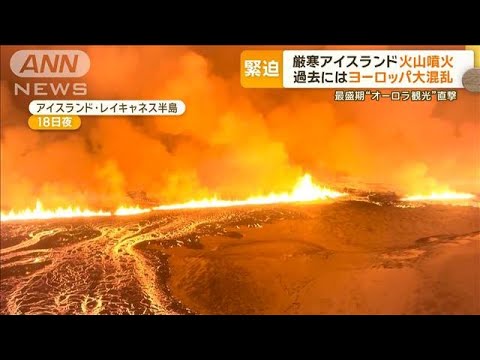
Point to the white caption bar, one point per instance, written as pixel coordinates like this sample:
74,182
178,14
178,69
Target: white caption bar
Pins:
108,107
375,68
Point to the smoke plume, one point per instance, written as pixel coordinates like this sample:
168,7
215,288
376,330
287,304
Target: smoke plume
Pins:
231,142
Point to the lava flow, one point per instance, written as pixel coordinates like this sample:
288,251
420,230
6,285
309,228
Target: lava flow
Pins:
304,191
124,210
40,213
440,196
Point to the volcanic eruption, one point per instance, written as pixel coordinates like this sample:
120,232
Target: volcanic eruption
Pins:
252,201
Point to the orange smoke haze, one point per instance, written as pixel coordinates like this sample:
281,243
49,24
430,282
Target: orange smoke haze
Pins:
232,143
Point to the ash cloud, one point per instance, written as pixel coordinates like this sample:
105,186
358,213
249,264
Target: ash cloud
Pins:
231,142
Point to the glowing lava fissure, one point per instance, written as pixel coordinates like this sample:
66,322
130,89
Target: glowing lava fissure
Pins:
304,191
39,213
440,196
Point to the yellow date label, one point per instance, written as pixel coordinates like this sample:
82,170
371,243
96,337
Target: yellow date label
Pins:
54,122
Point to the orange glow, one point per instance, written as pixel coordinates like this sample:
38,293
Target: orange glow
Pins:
40,213
440,196
124,211
232,142
303,191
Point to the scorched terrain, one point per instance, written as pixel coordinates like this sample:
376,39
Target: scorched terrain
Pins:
332,258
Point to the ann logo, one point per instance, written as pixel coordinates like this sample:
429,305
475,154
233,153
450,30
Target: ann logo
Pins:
50,63
59,63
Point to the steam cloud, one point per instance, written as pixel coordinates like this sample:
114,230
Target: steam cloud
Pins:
232,142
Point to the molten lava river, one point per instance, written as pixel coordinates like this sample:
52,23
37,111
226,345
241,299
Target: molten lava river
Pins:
313,250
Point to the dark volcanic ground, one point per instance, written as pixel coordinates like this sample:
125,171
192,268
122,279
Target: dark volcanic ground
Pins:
335,258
